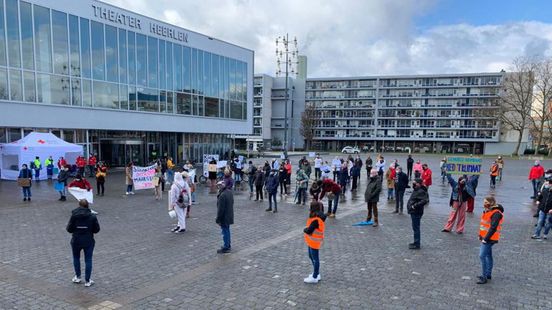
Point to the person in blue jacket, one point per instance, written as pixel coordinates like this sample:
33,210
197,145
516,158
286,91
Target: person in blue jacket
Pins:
26,173
272,189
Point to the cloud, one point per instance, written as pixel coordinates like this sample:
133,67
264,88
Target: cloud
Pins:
354,38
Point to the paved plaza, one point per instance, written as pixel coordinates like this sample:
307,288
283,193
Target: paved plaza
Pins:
140,264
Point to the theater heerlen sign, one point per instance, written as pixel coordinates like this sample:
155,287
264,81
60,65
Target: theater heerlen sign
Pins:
135,22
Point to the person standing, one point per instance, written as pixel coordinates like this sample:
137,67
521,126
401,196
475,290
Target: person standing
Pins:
443,168
369,165
101,174
390,178
409,165
415,207
317,167
418,169
225,215
336,166
458,203
307,168
490,227
314,237
493,171
289,171
81,163
37,166
272,190
401,183
128,179
157,180
427,176
334,191
473,181
325,172
25,179
380,168
49,163
355,174
170,170
343,178
251,172
282,180
61,163
259,183
544,201
83,224
536,177
179,199
212,169
92,165
62,178
500,163
371,196
302,184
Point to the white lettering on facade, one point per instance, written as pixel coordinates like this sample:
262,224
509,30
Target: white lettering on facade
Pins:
168,32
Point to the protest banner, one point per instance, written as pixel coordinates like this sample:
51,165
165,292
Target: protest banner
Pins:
80,194
143,177
206,160
463,165
222,164
312,154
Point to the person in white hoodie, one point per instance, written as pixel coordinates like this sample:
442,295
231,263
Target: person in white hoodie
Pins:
179,199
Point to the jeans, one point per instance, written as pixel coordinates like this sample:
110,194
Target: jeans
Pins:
251,181
545,220
237,176
493,181
170,176
536,186
317,173
226,236
129,188
37,174
272,197
409,172
88,251
335,202
416,219
100,186
399,200
26,192
301,195
63,192
315,259
283,188
390,194
486,257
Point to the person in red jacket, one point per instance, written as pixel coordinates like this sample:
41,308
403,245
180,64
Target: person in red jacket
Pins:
426,176
536,176
61,163
81,183
81,163
334,190
92,165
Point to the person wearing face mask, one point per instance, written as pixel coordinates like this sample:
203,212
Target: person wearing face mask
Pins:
272,190
458,201
415,207
380,168
371,196
418,169
490,227
544,201
62,178
536,175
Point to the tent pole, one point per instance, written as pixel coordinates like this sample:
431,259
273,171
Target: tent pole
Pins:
87,146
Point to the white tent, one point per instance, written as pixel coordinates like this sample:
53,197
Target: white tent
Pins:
15,154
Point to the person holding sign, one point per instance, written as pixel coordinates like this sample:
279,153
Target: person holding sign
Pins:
179,199
458,202
24,180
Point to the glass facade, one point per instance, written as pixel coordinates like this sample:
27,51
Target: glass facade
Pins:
51,57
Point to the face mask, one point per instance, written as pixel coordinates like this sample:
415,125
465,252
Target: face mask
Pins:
546,185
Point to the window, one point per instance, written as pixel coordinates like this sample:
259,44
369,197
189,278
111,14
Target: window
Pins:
61,43
215,76
199,78
186,72
76,92
132,98
152,62
236,110
131,58
183,104
177,53
193,68
16,85
141,60
111,53
106,95
52,89
2,37
123,97
123,70
74,50
163,102
3,83
169,57
86,93
12,14
29,86
206,74
85,47
148,100
211,107
98,52
27,52
170,102
162,65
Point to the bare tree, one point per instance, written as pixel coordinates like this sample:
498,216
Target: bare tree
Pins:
309,119
542,95
517,97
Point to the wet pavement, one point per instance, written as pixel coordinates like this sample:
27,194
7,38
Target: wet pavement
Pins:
139,264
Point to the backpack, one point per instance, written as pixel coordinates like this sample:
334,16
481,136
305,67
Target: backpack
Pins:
183,198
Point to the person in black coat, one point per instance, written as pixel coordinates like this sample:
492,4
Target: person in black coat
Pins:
415,207
272,190
409,164
225,215
63,176
259,183
83,225
401,183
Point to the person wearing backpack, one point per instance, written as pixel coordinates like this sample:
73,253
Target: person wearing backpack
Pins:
179,199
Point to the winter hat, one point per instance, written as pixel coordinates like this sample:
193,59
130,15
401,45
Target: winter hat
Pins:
373,173
537,162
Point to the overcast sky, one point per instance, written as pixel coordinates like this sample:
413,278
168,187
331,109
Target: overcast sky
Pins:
371,37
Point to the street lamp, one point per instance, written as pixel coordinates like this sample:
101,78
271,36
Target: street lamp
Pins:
286,54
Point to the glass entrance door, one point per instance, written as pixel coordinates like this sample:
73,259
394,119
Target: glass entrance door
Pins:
118,153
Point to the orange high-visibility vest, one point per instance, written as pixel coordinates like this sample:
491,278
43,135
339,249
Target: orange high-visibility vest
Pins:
494,170
317,237
485,225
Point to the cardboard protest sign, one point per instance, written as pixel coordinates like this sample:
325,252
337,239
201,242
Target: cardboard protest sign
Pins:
463,165
80,194
143,177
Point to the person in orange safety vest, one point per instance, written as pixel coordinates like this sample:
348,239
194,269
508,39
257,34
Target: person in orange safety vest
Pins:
314,237
490,228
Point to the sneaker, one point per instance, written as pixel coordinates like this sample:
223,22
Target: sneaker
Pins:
444,230
413,246
223,251
29,199
375,225
535,237
482,280
489,277
24,199
275,211
545,237
89,283
332,215
93,212
76,280
132,193
127,193
177,228
319,278
179,231
268,210
310,280
396,211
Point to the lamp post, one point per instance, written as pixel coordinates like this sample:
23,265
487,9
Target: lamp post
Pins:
286,53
